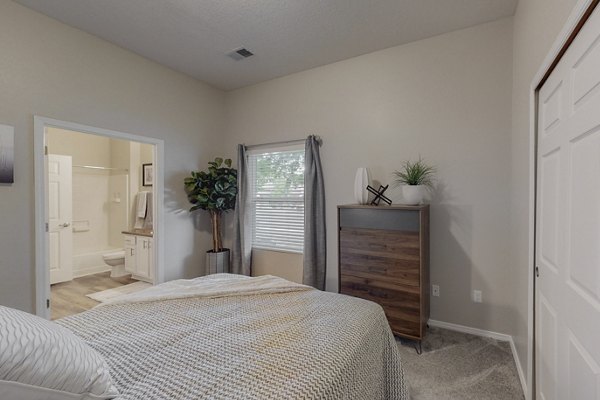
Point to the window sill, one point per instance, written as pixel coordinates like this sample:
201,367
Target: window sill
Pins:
277,250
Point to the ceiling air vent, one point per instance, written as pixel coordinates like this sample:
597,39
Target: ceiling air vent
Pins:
240,54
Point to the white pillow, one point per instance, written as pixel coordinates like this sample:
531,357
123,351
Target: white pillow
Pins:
42,360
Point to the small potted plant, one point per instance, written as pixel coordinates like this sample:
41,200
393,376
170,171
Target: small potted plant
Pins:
215,191
415,178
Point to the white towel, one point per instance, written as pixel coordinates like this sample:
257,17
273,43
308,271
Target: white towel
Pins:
148,220
139,223
141,209
142,203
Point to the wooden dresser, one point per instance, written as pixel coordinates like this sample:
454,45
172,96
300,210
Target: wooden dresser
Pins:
384,257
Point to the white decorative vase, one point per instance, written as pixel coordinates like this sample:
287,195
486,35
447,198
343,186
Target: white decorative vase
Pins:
413,194
362,179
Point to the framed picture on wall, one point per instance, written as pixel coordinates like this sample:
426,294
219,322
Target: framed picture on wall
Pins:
7,156
147,175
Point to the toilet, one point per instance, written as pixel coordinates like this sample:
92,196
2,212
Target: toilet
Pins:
117,261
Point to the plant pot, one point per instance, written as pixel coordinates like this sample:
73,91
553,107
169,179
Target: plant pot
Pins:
413,194
362,179
218,262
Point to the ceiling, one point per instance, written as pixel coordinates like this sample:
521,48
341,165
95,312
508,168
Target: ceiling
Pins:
286,36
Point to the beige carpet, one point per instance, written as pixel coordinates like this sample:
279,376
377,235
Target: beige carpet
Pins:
457,366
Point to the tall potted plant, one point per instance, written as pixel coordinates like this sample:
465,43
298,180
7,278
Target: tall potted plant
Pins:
415,177
214,190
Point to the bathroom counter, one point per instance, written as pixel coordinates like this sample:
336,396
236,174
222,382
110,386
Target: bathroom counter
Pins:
139,232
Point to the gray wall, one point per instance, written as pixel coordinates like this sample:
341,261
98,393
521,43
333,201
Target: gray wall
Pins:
50,69
448,99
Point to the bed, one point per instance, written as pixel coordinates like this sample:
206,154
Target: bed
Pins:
234,337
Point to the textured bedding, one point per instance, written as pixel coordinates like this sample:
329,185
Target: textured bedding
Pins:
233,337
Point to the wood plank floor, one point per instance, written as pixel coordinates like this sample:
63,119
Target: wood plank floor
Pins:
68,298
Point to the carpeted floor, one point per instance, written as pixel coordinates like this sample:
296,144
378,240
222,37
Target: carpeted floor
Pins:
457,366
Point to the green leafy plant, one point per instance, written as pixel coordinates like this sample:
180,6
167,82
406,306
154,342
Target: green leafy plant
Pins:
415,173
213,190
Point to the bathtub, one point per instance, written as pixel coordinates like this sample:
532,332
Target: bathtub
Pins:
91,262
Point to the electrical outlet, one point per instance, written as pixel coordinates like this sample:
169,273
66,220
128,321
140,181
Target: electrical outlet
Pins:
435,290
477,297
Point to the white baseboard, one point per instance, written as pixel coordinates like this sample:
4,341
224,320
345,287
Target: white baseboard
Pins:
142,278
522,377
489,334
78,273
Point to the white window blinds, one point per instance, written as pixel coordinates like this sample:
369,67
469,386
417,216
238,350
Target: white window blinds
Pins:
277,198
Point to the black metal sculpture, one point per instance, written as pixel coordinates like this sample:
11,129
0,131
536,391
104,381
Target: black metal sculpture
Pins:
379,195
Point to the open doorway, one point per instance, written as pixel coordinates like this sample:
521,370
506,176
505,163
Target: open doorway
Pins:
100,211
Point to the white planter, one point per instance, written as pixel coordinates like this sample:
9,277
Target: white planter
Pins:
362,179
217,263
413,194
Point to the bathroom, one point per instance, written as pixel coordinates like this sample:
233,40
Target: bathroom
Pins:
100,208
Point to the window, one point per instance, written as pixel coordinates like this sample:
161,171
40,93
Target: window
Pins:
276,179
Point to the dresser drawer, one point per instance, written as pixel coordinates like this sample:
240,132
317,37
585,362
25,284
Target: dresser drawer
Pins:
401,303
378,254
380,218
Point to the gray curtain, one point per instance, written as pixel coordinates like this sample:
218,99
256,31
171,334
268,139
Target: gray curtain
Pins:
241,251
315,246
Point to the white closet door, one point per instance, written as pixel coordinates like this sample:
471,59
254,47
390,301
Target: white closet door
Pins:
568,224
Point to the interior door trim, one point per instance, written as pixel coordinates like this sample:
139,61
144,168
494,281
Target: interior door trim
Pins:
42,276
584,18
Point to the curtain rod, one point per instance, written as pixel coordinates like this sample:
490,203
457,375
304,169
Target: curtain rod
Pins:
297,141
255,146
102,168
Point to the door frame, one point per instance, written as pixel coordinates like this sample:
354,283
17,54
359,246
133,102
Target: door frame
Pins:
42,276
579,16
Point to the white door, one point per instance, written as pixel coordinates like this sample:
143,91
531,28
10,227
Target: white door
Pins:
60,208
568,224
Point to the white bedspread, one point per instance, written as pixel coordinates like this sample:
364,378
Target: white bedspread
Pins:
239,338
217,285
